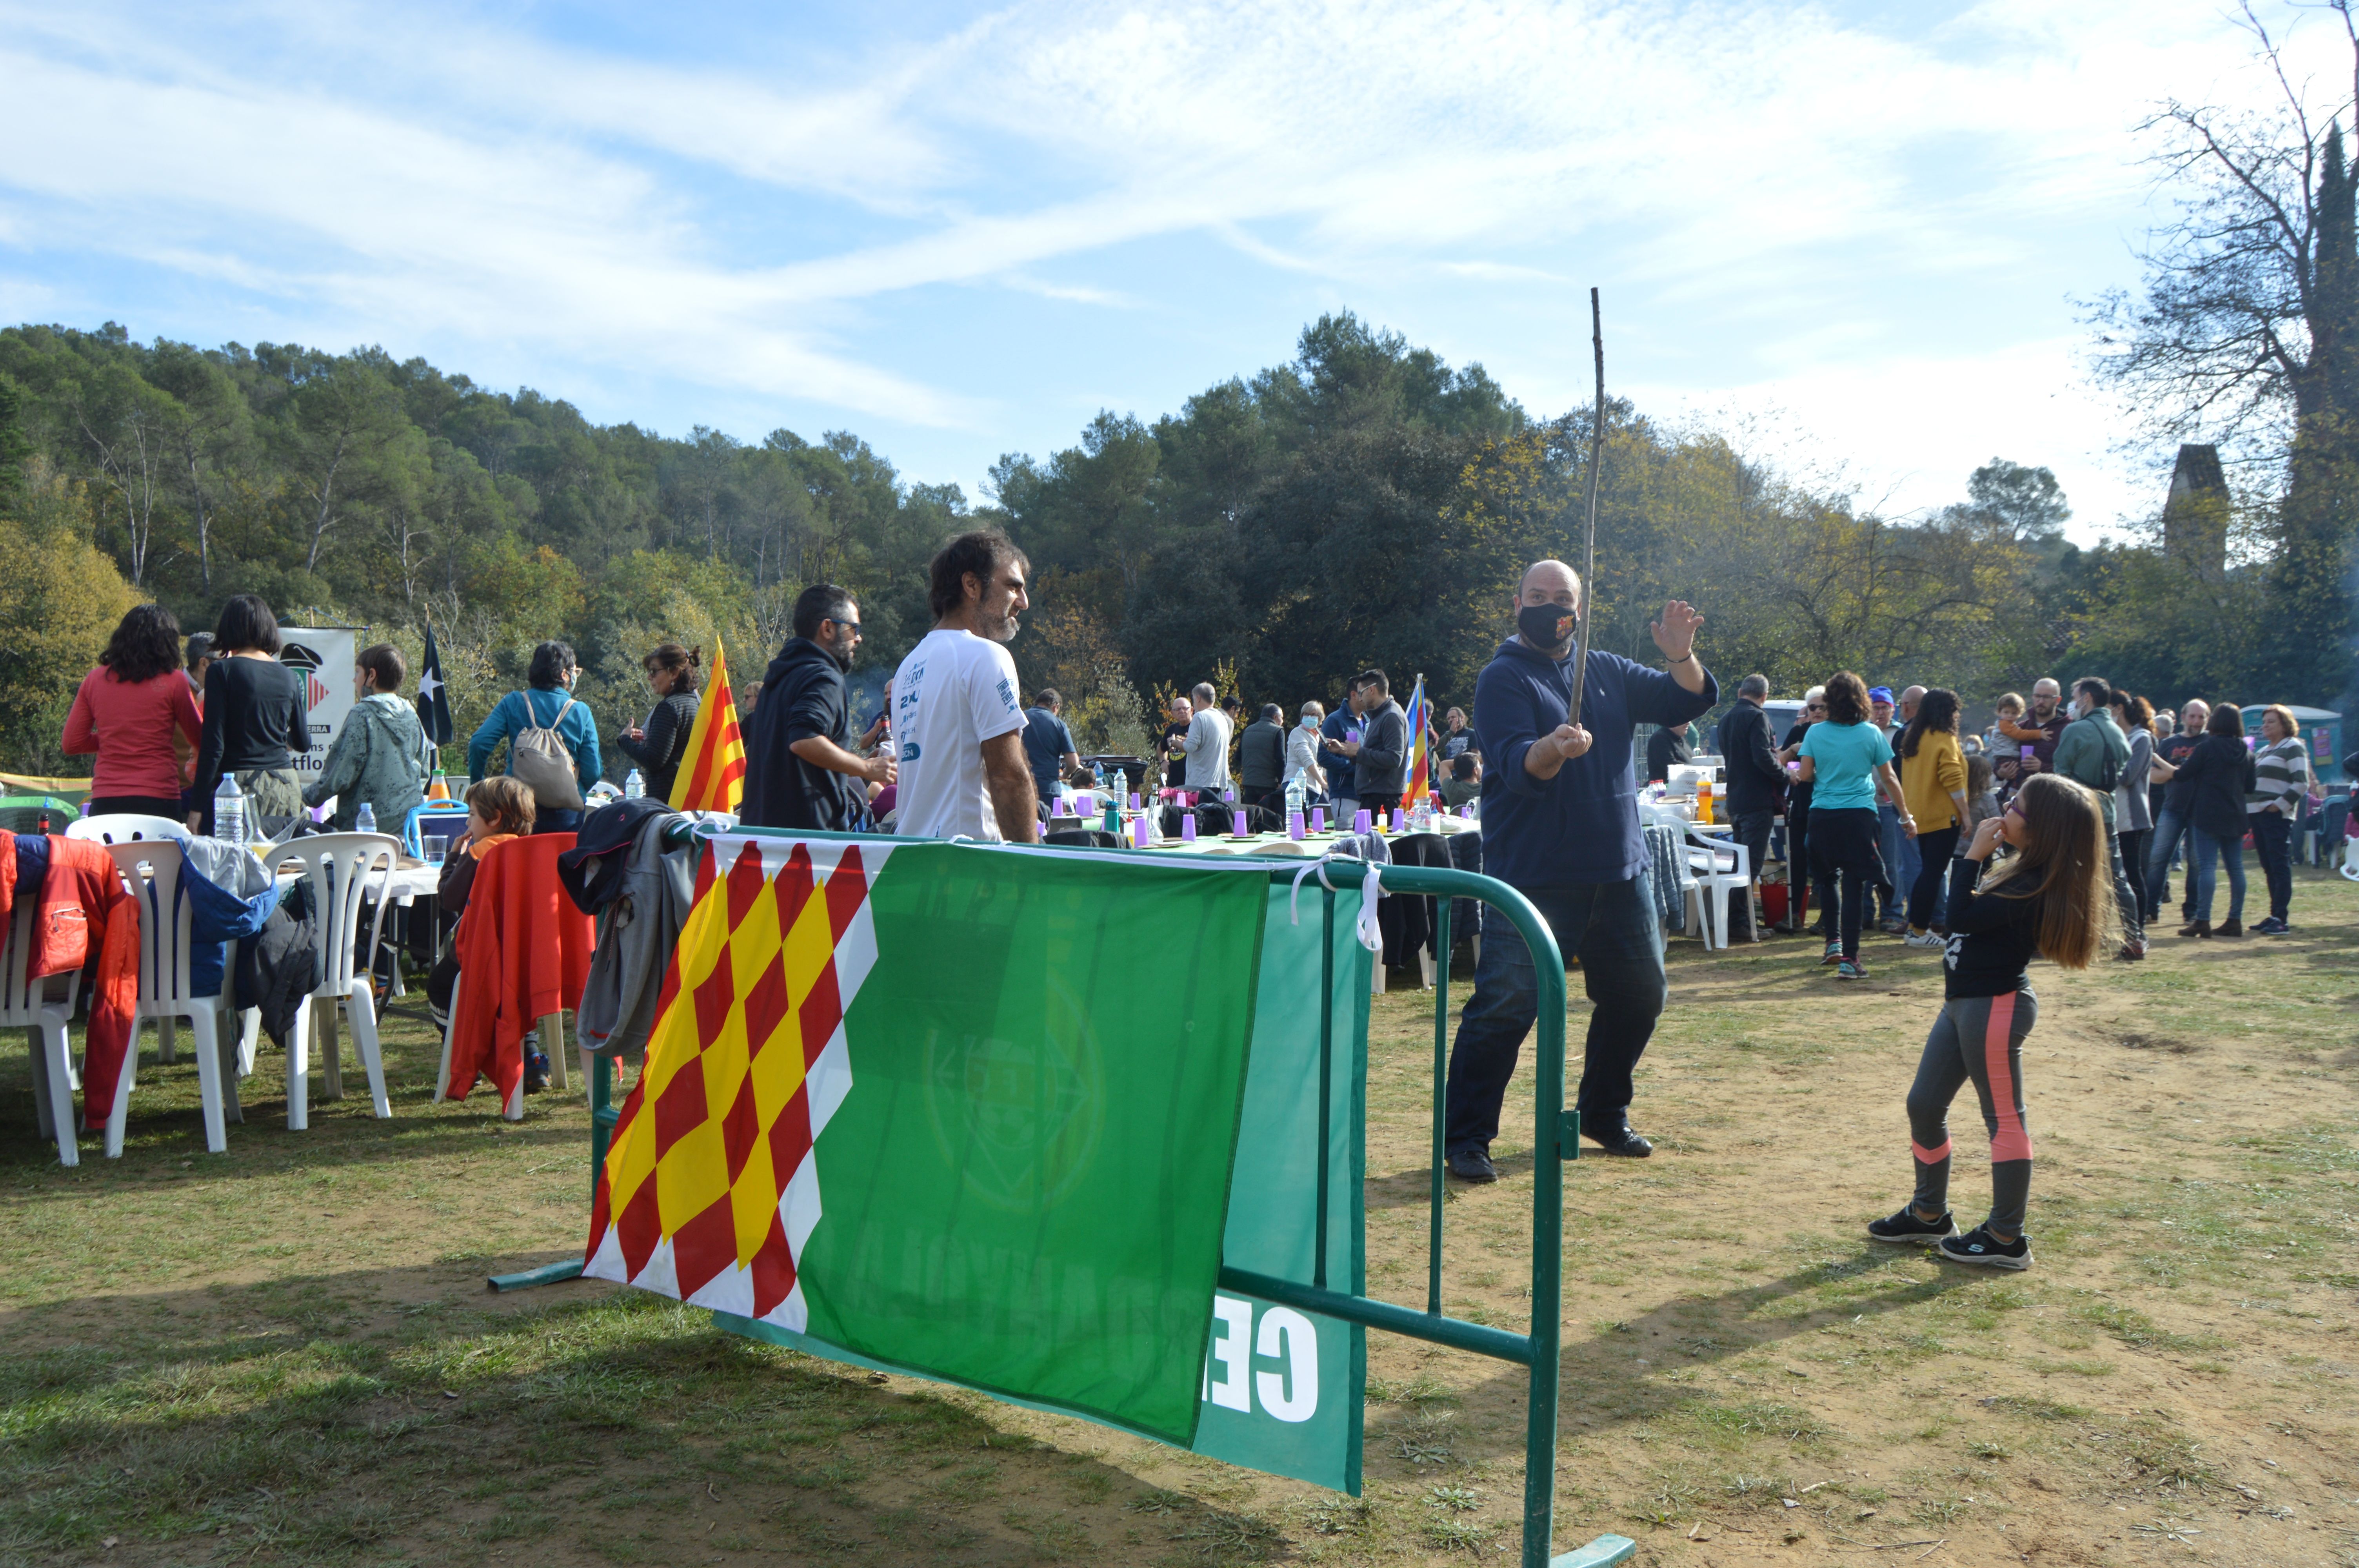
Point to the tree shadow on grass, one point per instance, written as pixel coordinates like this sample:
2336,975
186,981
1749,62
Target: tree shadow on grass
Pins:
406,1410
165,1125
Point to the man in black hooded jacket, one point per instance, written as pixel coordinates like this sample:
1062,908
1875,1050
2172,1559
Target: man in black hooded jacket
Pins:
800,769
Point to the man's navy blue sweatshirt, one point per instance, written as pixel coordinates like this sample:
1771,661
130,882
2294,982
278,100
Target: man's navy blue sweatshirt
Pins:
1583,825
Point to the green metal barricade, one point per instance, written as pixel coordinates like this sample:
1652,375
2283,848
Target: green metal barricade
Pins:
1555,1136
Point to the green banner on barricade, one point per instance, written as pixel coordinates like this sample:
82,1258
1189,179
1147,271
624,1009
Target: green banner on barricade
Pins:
1283,1391
997,1118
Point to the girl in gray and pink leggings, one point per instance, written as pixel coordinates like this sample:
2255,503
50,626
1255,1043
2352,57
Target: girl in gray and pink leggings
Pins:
2051,896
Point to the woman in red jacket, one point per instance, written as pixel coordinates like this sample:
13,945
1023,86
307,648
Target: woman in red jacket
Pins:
128,710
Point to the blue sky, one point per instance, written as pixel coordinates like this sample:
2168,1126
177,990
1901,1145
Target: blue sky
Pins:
1853,235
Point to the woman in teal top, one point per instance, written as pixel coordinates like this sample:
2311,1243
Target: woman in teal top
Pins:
554,671
1843,760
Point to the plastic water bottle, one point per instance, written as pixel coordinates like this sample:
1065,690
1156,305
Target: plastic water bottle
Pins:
229,811
1097,777
364,820
633,786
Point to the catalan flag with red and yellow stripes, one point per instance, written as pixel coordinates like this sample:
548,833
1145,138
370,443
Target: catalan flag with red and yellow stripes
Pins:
940,1106
713,774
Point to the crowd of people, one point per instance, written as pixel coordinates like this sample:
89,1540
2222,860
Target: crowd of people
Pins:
1876,809
2051,834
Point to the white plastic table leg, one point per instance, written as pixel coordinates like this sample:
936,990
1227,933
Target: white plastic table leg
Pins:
443,1072
298,1067
552,1045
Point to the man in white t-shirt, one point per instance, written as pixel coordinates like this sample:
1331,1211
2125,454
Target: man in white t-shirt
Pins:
956,719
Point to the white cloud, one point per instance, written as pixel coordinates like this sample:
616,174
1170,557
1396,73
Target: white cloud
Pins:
1809,198
1904,434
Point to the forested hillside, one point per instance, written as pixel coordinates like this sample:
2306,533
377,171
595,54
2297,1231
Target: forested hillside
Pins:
1364,502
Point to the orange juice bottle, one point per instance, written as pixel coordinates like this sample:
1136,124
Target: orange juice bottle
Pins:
1703,800
439,789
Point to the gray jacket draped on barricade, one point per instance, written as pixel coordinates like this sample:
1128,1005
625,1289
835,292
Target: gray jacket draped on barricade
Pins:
637,933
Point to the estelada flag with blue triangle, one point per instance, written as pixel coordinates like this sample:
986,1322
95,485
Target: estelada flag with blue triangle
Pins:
1420,760
434,697
713,774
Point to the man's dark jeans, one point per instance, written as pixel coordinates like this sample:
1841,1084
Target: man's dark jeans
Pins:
1613,928
1752,831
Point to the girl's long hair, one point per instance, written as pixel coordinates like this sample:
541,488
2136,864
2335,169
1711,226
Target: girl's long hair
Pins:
1936,712
2064,863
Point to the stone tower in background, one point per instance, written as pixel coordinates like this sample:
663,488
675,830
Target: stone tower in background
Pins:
2195,517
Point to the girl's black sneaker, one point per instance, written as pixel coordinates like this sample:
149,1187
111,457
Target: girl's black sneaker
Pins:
1979,1246
1905,1227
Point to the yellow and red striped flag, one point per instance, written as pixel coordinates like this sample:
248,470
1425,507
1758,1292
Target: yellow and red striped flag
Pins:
712,775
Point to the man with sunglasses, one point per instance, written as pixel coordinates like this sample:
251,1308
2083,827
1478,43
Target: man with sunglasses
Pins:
801,768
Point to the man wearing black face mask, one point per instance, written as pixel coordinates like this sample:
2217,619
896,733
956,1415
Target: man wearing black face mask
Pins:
1560,825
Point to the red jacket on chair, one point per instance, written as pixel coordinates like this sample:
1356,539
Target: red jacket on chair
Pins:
82,894
524,953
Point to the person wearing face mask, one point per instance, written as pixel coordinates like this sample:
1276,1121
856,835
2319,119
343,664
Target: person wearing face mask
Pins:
802,767
1560,825
963,772
1302,754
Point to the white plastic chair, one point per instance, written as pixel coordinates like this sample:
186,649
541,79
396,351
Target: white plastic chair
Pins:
341,867
134,826
151,866
1717,867
27,1003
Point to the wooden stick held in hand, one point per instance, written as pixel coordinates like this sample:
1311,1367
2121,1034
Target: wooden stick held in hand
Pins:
1588,553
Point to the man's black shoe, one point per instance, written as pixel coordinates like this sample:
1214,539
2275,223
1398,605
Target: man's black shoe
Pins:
1471,1165
1619,1141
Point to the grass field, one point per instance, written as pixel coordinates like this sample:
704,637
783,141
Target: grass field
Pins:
286,1354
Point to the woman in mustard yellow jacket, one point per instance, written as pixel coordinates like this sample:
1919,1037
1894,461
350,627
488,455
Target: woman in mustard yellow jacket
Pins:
1933,786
